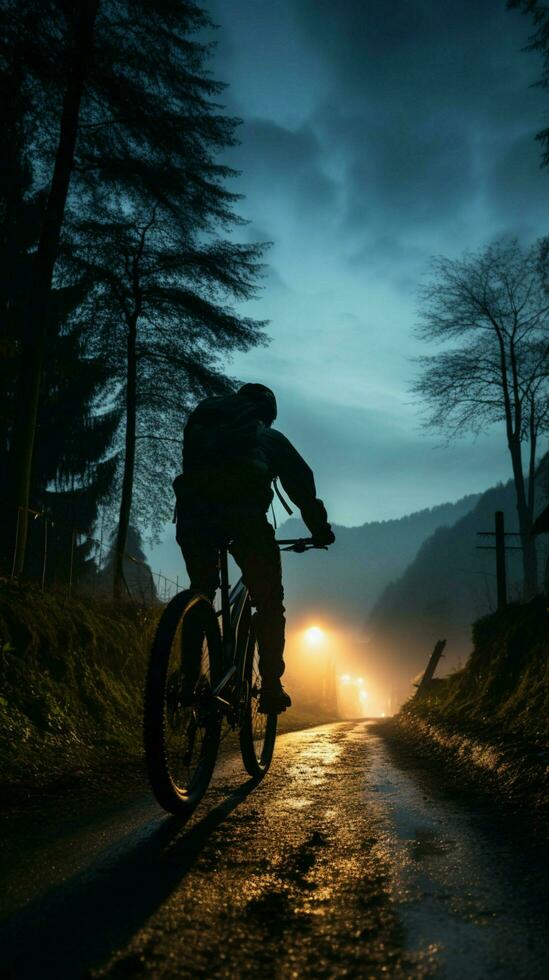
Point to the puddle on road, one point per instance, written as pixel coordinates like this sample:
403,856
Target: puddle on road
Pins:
452,882
338,864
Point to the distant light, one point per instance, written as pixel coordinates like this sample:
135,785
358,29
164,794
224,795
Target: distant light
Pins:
314,635
383,714
362,695
360,681
345,679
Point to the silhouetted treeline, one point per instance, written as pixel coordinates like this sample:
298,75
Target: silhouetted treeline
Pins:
117,264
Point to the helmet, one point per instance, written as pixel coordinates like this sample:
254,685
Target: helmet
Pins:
263,399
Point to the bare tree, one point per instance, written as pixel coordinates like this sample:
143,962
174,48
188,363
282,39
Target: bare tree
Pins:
491,309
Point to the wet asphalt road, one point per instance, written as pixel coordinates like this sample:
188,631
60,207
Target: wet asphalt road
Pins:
346,861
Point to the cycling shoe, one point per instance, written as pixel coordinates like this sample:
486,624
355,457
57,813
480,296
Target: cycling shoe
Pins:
273,699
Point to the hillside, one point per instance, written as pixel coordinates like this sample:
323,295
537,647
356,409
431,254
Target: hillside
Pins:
346,581
488,723
71,673
446,587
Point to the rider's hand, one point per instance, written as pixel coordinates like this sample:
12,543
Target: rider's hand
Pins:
324,537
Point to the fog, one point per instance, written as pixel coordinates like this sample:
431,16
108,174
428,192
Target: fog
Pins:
330,667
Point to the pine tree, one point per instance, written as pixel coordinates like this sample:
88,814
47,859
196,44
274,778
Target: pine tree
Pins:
161,322
137,574
139,130
80,20
72,468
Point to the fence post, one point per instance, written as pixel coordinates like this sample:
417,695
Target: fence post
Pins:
100,559
15,545
500,560
73,536
45,551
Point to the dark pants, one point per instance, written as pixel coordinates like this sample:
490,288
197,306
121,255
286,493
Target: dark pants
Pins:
252,545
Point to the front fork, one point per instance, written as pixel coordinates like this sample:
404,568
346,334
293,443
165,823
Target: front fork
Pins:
231,693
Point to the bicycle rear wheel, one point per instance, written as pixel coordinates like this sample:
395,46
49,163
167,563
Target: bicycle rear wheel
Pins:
181,721
257,731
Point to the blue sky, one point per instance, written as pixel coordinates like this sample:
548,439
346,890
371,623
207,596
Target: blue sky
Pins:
374,136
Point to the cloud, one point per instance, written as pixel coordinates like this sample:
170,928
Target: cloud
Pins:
423,102
374,137
516,183
370,464
407,117
417,171
420,56
283,162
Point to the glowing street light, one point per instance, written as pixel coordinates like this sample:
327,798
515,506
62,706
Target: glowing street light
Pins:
345,679
314,636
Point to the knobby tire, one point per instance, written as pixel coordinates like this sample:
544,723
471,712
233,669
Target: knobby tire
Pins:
181,723
257,731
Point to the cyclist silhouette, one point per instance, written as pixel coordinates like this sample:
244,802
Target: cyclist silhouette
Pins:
231,455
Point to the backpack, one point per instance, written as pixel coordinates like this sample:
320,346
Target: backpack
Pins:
220,432
224,465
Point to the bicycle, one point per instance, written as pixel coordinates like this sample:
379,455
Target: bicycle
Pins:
203,668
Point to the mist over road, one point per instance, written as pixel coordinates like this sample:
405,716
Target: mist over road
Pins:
345,861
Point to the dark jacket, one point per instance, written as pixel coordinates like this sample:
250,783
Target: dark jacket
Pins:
239,478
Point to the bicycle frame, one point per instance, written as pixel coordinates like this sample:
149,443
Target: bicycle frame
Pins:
232,606
179,765
230,614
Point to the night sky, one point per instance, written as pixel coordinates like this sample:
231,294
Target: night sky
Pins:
374,135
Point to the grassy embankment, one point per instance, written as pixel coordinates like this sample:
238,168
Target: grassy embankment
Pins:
490,721
71,678
71,688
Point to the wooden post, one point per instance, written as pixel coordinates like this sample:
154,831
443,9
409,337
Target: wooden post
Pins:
45,551
14,565
431,666
73,539
500,560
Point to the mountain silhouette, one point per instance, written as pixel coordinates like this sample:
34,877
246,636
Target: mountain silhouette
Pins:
346,581
448,585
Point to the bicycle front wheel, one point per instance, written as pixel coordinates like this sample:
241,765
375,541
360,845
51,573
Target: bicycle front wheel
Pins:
181,721
257,731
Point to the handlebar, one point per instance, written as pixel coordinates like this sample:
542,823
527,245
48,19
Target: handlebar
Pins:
299,545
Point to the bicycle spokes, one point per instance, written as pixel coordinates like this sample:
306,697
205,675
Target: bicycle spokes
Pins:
258,730
259,721
188,704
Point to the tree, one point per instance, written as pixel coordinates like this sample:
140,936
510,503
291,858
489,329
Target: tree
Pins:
72,468
74,463
539,41
137,127
161,322
492,307
137,572
80,26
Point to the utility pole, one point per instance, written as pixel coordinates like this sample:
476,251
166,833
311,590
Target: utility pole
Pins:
499,533
501,570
